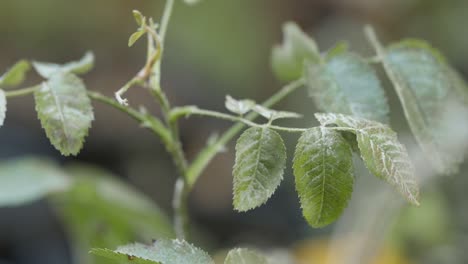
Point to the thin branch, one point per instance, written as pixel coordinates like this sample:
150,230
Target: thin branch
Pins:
22,92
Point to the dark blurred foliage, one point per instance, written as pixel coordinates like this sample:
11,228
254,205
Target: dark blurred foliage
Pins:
214,48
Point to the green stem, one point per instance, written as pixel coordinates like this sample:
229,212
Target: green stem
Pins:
22,92
207,154
167,13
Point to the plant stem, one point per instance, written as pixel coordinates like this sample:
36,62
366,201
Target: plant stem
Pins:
166,17
22,92
209,152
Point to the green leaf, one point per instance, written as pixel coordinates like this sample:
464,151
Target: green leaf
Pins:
288,59
240,107
3,107
381,151
273,114
102,211
26,180
427,87
65,112
245,256
135,36
139,18
323,168
346,84
84,65
16,75
162,251
259,167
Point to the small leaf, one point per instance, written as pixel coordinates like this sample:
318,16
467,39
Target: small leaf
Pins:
65,112
240,107
346,84
16,75
84,65
427,87
3,107
383,154
323,168
26,180
245,256
139,18
273,114
259,167
135,36
288,59
163,251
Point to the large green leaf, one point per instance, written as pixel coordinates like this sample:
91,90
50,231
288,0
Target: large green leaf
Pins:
162,251
82,66
259,167
427,87
244,256
345,83
288,59
65,111
26,180
101,211
381,151
16,75
3,107
323,169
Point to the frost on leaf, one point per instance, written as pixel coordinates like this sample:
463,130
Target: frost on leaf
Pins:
381,151
245,256
3,106
240,107
163,251
288,59
16,75
345,83
65,112
427,87
259,167
323,169
84,65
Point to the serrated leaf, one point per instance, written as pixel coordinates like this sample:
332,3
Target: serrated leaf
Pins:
345,83
240,107
3,107
16,75
245,256
26,180
135,36
102,211
323,169
163,251
139,18
427,87
273,114
288,59
65,112
259,167
383,154
84,65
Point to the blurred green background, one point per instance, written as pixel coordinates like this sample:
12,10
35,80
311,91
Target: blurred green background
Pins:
213,49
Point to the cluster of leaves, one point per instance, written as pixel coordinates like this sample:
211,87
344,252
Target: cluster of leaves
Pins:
344,85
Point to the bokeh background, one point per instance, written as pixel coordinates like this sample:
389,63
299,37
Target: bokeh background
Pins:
213,49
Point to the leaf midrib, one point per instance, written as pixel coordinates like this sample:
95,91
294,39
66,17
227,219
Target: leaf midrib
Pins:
60,110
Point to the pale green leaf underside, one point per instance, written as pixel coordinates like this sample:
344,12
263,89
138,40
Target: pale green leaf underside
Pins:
346,84
65,111
381,151
240,107
427,88
259,167
84,65
288,59
3,107
163,251
26,180
324,175
245,256
16,75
